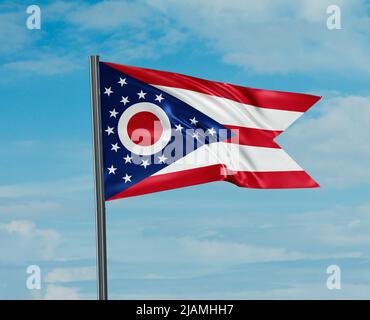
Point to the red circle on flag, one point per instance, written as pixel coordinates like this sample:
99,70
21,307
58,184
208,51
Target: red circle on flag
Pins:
144,128
148,116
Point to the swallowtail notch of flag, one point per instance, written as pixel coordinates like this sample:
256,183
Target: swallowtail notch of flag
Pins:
232,129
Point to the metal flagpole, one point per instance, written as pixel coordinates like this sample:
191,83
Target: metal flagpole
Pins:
101,247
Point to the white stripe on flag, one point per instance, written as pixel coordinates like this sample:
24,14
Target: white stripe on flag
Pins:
235,157
229,112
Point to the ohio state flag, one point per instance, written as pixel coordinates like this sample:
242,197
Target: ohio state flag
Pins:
164,130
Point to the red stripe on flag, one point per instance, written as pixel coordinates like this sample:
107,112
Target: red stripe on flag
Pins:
259,180
272,179
254,137
257,97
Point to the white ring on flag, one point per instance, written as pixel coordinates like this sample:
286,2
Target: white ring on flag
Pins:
125,138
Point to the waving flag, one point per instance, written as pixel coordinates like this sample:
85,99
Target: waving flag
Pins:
164,130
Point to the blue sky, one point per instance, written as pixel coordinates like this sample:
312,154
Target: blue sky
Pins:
209,241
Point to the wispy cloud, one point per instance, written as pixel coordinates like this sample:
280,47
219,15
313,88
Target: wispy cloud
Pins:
57,292
110,15
112,28
292,35
14,35
228,237
45,64
60,275
337,136
233,252
127,29
46,189
26,241
61,283
28,206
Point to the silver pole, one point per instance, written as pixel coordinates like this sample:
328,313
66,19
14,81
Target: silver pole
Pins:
101,247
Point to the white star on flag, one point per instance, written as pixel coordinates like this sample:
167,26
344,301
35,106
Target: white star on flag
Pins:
109,130
158,98
195,135
162,159
127,159
194,121
115,147
141,94
179,127
124,100
113,113
211,131
108,91
122,82
144,163
112,169
127,178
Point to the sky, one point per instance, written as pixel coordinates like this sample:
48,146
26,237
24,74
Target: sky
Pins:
213,241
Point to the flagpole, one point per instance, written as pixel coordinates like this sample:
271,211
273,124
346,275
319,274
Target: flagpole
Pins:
101,246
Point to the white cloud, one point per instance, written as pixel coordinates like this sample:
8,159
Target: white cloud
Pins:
260,36
14,35
25,241
338,228
22,49
279,290
334,145
44,64
124,28
143,45
153,276
19,46
233,252
108,15
59,10
300,291
233,235
29,207
54,292
71,274
278,36
46,189
113,28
